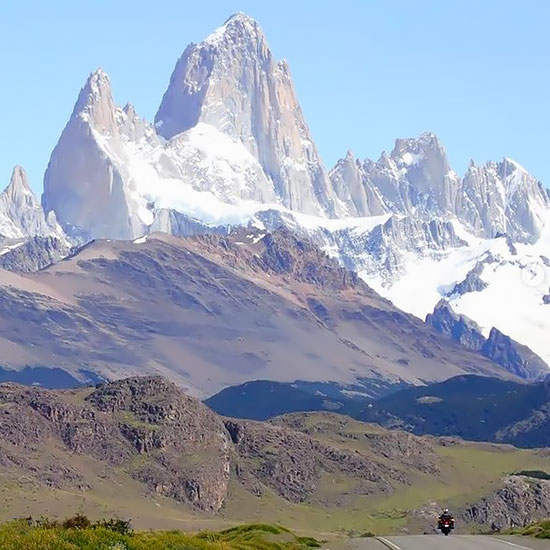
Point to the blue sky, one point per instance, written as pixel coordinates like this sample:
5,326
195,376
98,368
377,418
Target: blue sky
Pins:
476,72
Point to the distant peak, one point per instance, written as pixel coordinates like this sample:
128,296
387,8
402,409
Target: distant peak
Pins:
238,25
240,17
99,73
19,182
349,155
95,103
411,150
129,109
98,82
513,165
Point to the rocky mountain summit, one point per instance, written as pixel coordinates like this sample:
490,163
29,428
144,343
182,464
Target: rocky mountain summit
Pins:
232,82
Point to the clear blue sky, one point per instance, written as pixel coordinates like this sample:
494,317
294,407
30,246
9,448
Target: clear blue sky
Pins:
476,72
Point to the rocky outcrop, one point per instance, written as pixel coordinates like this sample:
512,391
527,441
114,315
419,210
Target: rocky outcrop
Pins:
34,254
351,183
471,283
458,327
500,348
513,356
504,198
518,503
85,182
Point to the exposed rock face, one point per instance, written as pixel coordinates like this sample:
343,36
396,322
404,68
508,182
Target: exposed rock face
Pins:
413,451
84,183
21,215
500,348
350,179
520,502
458,327
230,81
416,179
471,283
504,198
156,416
513,356
34,254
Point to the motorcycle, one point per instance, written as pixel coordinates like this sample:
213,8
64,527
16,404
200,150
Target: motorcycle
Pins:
446,525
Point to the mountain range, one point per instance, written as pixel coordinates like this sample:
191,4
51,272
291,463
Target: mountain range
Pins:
229,152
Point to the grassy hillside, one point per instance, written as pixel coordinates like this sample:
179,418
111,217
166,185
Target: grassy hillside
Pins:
465,473
141,449
80,535
540,530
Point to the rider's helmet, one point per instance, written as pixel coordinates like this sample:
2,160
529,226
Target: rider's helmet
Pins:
446,511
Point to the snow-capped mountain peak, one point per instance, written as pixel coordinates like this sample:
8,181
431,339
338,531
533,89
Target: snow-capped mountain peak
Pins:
95,104
21,215
238,27
19,185
232,82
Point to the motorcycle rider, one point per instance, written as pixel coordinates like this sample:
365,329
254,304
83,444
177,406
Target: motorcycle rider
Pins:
446,516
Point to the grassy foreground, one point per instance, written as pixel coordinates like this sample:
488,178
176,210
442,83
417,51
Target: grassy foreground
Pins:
44,535
540,530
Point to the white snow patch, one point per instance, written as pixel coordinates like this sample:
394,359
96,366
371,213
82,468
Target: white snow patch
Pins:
7,248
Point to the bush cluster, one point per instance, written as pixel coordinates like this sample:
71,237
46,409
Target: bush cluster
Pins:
80,533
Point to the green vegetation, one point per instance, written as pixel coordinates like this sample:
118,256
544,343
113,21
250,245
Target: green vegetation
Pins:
539,530
536,474
79,533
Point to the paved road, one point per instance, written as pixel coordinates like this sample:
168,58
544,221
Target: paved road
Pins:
452,542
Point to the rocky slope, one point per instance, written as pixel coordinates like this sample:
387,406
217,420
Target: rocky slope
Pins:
498,347
29,240
521,501
145,450
177,447
213,311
